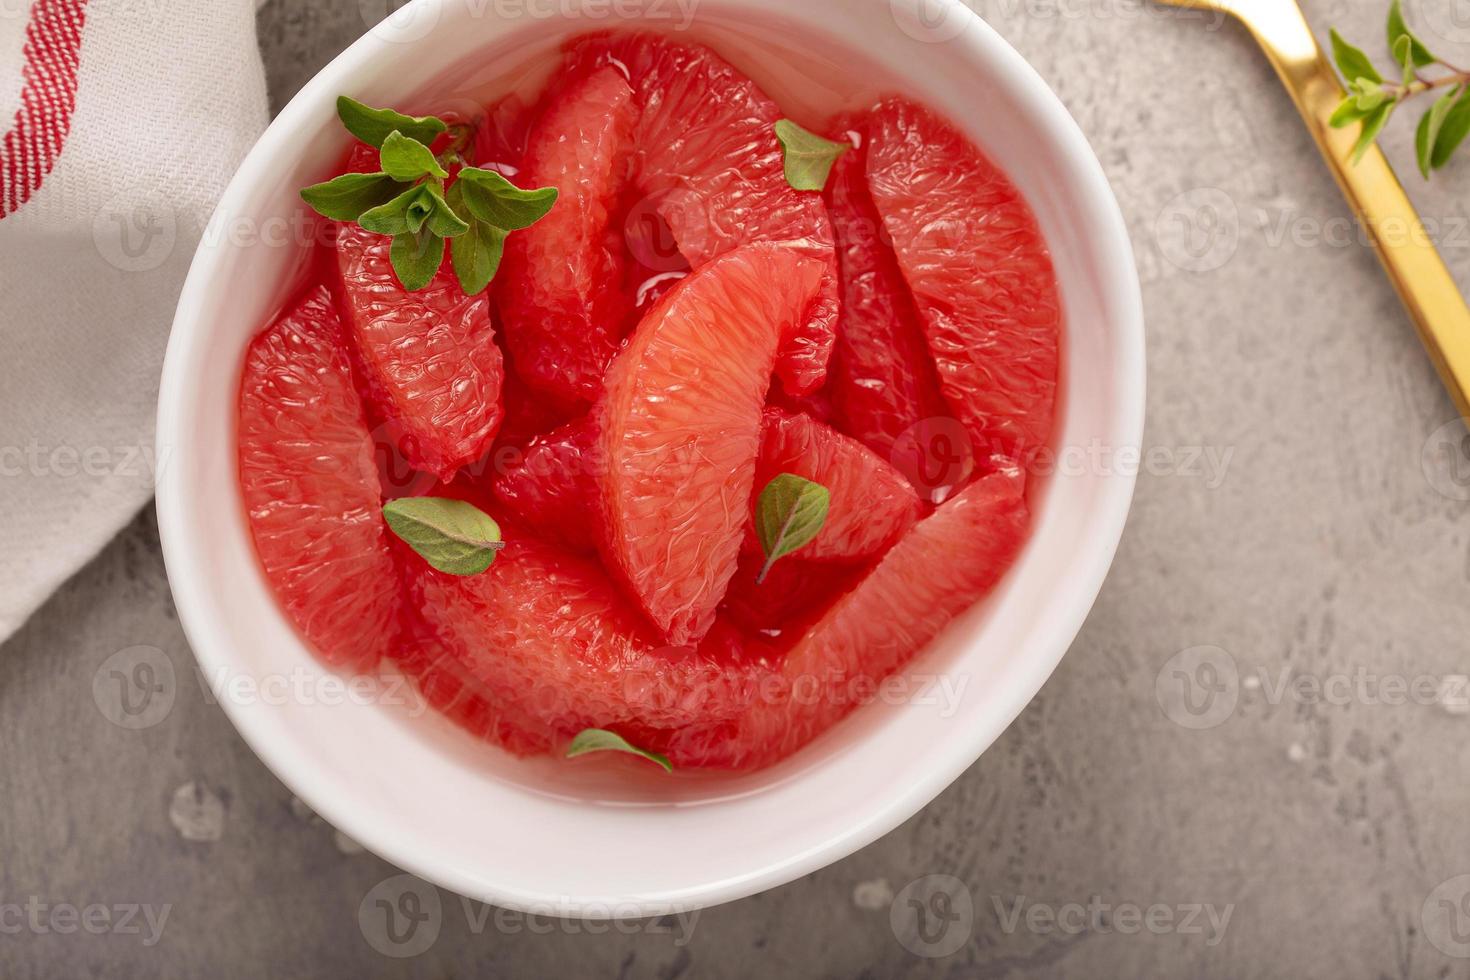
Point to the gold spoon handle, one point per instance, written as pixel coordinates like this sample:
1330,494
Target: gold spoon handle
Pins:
1375,194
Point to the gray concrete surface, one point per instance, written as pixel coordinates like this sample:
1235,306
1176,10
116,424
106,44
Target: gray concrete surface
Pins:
1300,520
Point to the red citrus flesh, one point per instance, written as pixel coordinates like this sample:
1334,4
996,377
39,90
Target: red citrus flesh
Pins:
871,504
553,486
942,566
979,271
429,358
560,286
546,640
311,486
883,379
707,160
680,425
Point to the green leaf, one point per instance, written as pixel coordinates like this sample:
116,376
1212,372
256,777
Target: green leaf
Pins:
1417,55
476,256
806,157
442,219
1429,129
452,535
1372,126
602,740
495,200
372,126
408,159
1368,94
788,514
1347,113
1401,53
406,212
1452,131
1351,61
416,256
345,198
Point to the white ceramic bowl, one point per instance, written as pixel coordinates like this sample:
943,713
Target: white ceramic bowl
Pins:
607,838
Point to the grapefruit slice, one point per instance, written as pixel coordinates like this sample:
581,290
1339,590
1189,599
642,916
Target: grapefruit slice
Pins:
980,274
311,486
883,380
680,425
543,645
429,359
794,591
708,161
942,566
553,486
871,503
561,290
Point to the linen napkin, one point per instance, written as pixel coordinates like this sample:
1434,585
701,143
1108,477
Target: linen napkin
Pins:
123,120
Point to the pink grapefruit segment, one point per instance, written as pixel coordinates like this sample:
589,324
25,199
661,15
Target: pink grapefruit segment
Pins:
980,274
680,427
553,485
311,486
883,379
542,645
428,358
709,162
871,503
560,287
939,569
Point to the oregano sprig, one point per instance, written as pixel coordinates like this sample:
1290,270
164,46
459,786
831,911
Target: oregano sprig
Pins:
1371,98
789,512
414,199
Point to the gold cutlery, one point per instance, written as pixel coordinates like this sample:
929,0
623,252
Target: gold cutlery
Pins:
1370,186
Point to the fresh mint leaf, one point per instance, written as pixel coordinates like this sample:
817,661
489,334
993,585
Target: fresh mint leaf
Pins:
806,157
442,220
602,740
496,201
408,159
1373,124
1453,130
788,514
1430,126
1403,54
1368,94
345,198
372,126
406,212
1347,113
476,256
416,256
1351,61
1417,54
452,535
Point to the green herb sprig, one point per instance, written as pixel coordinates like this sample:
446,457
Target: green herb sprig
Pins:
1372,99
602,740
788,514
411,200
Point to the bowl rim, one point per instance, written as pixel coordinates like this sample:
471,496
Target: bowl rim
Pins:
187,573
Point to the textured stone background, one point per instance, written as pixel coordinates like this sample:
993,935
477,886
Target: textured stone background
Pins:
1320,536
